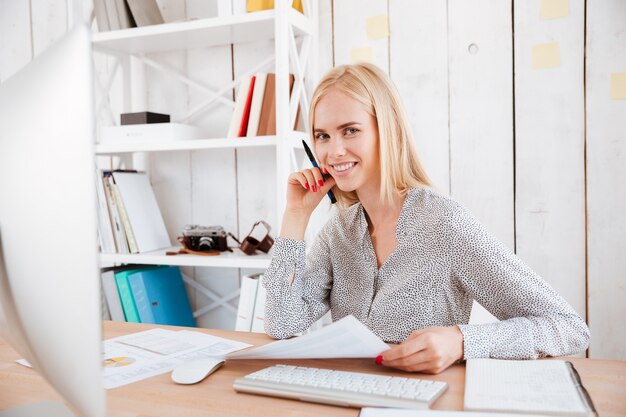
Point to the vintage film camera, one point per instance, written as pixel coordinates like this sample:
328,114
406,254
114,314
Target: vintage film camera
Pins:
205,238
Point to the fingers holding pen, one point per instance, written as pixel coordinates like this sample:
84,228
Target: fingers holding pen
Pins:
312,179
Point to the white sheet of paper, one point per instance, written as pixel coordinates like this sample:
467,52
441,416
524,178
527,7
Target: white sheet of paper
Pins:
131,358
345,338
397,412
521,386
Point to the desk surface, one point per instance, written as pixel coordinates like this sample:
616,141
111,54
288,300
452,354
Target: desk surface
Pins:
160,397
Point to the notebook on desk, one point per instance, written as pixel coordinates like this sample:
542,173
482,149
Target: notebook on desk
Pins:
547,387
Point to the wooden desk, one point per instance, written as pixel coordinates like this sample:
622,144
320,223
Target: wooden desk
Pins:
215,396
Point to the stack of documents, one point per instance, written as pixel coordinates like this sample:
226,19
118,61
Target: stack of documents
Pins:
138,356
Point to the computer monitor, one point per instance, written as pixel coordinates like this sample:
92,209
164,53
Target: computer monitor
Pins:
49,279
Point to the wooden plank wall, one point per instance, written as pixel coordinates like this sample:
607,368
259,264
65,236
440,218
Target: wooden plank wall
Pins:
536,153
606,176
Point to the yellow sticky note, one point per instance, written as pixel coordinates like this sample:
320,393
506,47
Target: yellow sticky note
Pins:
618,86
377,27
361,55
553,9
546,55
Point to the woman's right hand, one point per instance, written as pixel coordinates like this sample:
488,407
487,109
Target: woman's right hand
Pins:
306,188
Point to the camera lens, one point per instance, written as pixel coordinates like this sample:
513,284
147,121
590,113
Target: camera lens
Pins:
205,243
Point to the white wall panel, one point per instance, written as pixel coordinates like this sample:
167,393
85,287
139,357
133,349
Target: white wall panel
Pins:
15,37
325,34
418,60
606,179
549,150
481,111
350,30
49,23
481,115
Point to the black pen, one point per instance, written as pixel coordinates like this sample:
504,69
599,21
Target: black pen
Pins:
330,194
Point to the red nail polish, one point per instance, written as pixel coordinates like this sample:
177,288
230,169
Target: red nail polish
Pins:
379,360
314,188
320,183
325,170
306,185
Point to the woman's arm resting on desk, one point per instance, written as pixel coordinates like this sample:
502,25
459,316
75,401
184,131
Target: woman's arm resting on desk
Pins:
536,321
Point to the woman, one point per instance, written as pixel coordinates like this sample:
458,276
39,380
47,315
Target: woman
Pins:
403,259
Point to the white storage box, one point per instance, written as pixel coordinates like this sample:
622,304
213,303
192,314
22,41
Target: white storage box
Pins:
151,132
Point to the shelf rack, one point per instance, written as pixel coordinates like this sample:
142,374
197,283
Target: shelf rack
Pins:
235,259
132,48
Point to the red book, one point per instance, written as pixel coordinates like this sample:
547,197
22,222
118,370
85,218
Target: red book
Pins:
243,128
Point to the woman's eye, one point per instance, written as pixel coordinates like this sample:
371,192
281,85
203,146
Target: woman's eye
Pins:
321,136
352,131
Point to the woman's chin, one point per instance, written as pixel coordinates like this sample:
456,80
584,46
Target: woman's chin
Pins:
345,186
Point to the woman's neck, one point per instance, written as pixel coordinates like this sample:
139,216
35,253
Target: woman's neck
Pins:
379,213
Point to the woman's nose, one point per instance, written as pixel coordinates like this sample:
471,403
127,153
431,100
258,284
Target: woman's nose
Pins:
337,148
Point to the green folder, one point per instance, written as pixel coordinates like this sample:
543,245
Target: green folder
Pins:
126,295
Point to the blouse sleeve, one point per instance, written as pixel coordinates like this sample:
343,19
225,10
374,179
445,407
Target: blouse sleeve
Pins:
535,320
297,288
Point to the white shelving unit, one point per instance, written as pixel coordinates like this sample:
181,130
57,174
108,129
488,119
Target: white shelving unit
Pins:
236,259
131,48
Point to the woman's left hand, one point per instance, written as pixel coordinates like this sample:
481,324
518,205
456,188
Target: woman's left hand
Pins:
429,350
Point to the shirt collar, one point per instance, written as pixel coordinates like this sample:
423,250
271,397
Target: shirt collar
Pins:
405,221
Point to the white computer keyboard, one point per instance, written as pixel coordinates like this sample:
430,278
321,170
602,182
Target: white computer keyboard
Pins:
348,389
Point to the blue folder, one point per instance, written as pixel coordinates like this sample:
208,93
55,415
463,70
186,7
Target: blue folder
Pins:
160,296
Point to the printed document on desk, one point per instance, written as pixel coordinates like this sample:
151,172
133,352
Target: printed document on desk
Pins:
345,338
131,358
550,387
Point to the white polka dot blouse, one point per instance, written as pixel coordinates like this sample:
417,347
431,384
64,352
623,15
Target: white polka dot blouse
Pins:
444,260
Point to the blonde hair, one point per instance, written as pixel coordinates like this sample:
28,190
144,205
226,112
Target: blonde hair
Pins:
400,166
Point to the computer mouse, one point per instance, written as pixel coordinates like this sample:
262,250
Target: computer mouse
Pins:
195,371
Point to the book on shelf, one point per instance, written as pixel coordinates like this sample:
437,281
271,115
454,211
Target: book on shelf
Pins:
110,292
267,118
105,227
145,12
126,296
124,15
113,15
111,296
111,10
101,15
258,5
104,306
142,211
251,307
546,387
160,296
243,125
129,220
258,316
123,215
257,104
240,103
121,244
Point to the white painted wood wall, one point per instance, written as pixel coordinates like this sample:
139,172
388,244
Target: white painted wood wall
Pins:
538,155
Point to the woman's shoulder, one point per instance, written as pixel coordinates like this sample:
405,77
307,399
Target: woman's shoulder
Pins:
346,222
426,207
431,202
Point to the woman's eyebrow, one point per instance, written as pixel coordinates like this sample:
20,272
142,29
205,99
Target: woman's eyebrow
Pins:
341,126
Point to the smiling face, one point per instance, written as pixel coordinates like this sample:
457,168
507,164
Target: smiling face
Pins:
346,142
